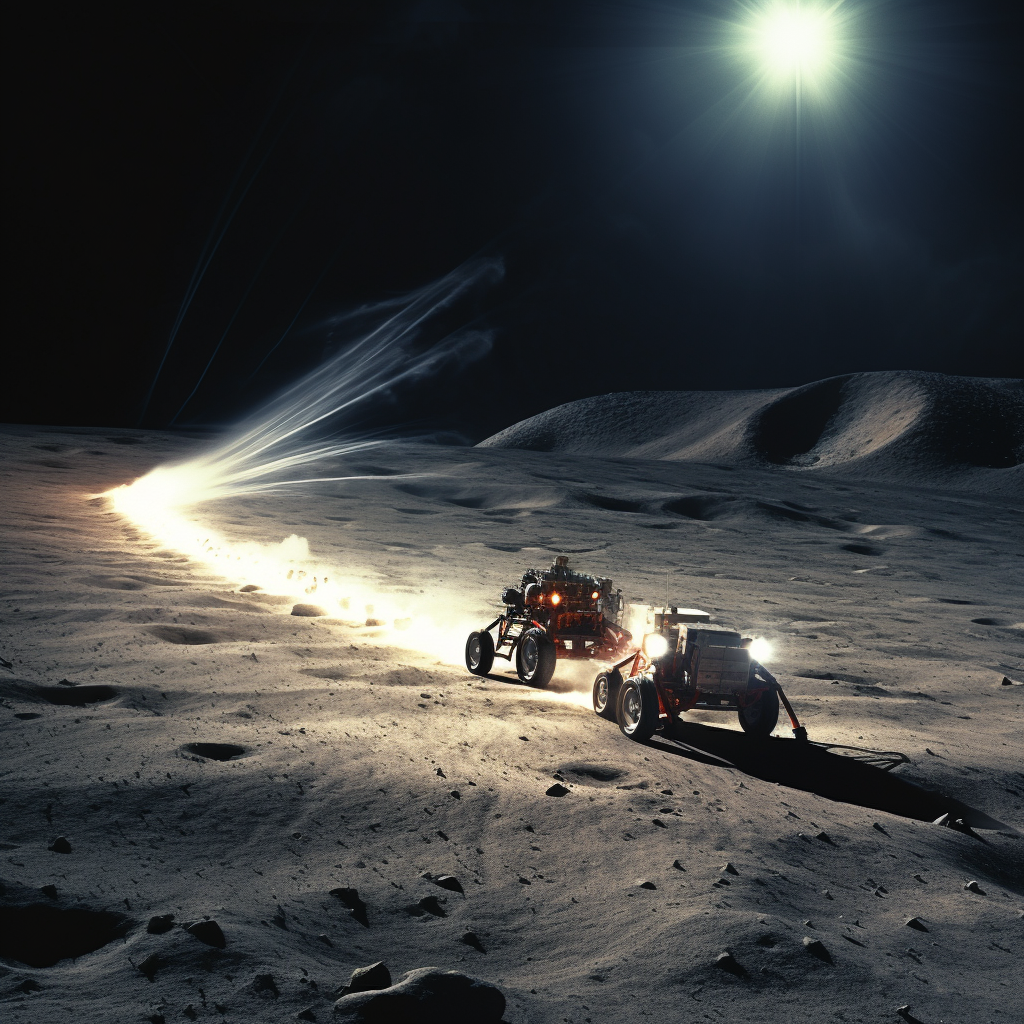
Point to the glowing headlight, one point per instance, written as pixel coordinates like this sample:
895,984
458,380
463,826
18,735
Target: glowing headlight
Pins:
760,650
594,596
655,645
556,598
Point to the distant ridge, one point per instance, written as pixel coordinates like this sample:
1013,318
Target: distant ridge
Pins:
886,425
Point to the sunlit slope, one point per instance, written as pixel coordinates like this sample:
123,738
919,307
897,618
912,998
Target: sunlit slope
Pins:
887,425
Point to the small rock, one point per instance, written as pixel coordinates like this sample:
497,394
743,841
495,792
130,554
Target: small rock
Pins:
556,790
278,919
727,962
455,794
309,611
428,994
437,771
916,923
249,588
728,868
306,1014
646,885
60,845
817,949
325,939
524,881
265,986
368,979
49,891
190,1012
208,932
150,966
677,865
350,898
974,887
827,894
824,837
29,985
878,828
431,905
659,823
374,622
1007,681
470,939
807,924
449,882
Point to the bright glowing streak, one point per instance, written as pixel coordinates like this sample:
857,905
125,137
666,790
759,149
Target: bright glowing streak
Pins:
760,650
655,645
269,449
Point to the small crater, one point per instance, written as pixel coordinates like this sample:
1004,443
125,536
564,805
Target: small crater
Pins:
76,696
703,507
595,772
610,504
184,635
985,621
952,600
215,751
39,935
27,716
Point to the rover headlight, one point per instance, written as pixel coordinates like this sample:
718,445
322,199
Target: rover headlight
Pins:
655,645
595,595
760,650
556,597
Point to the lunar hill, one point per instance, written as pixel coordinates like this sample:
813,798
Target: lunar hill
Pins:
214,809
892,425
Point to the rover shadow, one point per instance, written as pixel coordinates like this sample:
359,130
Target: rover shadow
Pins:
817,769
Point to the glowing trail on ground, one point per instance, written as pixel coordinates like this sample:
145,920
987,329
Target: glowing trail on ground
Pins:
278,448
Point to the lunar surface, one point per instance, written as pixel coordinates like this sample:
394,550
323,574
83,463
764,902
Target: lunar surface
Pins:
214,808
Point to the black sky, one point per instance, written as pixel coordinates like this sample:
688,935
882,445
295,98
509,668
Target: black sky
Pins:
658,231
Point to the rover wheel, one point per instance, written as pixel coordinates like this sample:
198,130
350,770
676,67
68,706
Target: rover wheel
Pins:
535,658
479,653
606,693
761,717
638,708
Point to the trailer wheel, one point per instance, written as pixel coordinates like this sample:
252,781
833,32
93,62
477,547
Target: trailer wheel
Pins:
761,717
638,708
535,658
606,693
479,653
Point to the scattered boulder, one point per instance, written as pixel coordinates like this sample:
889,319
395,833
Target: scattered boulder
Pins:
974,887
367,979
209,933
646,884
915,923
449,882
471,939
817,949
160,924
309,611
729,869
150,966
556,790
728,963
350,898
425,996
60,845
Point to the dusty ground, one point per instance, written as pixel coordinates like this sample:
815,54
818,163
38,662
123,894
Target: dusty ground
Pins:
895,613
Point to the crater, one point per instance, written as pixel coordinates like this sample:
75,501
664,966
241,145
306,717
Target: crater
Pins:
862,549
985,621
38,935
76,696
184,635
216,751
594,772
704,507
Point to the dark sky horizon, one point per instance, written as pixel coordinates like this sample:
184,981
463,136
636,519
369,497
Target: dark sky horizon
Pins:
662,225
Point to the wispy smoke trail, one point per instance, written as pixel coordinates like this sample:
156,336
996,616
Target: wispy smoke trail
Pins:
267,449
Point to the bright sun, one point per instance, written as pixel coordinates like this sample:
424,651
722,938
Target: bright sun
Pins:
794,42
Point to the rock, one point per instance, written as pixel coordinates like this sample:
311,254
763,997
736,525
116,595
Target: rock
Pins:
60,845
974,887
325,939
278,920
190,1012
524,881
659,823
425,996
208,932
644,884
350,898
824,837
49,891
1007,681
374,622
878,828
249,588
916,923
470,939
730,869
309,611
817,949
727,962
431,905
449,882
150,966
306,1014
265,986
455,794
677,865
160,924
556,790
29,985
367,979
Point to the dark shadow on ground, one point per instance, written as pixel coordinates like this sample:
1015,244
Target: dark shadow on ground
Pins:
815,769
